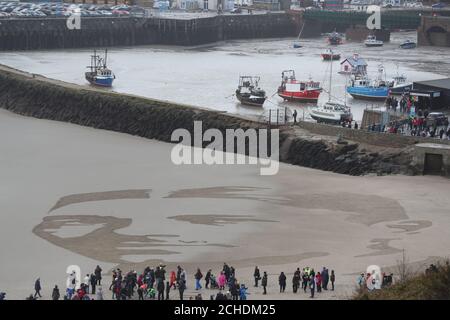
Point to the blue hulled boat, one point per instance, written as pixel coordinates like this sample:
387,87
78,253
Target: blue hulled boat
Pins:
99,74
379,89
364,88
408,44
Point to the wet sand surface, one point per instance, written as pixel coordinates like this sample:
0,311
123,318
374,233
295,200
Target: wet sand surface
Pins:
75,195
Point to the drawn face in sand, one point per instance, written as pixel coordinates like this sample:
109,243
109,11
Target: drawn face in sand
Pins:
361,208
100,237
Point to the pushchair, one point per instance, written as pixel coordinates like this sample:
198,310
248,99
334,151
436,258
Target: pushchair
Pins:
213,282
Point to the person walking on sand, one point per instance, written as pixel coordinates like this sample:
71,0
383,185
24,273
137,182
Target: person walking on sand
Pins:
222,280
207,279
243,292
183,277
181,288
282,282
264,282
332,279
198,276
55,293
37,288
318,282
93,280
160,287
325,278
140,292
304,281
167,290
87,283
312,286
257,276
296,281
295,116
98,275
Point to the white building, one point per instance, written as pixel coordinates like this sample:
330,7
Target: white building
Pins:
354,65
394,3
211,5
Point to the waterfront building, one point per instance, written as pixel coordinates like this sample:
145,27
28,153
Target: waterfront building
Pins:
354,65
196,4
267,4
432,94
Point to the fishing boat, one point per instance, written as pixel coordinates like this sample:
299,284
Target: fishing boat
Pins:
99,74
365,88
399,85
292,89
378,89
372,41
249,93
331,112
408,44
334,38
329,55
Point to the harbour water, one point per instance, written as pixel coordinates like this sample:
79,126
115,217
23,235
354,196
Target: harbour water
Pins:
207,76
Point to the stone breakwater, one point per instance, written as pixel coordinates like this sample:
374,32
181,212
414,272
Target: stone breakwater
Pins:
43,98
45,33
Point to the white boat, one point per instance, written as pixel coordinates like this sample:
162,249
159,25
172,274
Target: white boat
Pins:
372,41
399,85
331,112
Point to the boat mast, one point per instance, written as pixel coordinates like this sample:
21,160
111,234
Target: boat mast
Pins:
299,35
95,60
106,55
331,74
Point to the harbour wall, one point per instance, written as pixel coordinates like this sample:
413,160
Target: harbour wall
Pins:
39,97
369,137
52,33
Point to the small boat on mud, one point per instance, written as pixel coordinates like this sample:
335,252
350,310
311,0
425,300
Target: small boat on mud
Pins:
99,74
292,89
372,41
249,93
329,55
297,44
334,38
331,112
408,44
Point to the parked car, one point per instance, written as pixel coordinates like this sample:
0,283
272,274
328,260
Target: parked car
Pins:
436,119
438,5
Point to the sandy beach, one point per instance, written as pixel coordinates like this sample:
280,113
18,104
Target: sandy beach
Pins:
71,195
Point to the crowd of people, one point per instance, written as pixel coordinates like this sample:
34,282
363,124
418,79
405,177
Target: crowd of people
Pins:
414,123
372,281
157,284
413,120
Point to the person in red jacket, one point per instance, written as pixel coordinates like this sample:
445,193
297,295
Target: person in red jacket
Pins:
318,282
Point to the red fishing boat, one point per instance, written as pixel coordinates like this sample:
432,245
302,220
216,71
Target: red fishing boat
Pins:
293,90
330,55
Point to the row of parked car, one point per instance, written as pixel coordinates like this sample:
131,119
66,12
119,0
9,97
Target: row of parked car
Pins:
50,9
